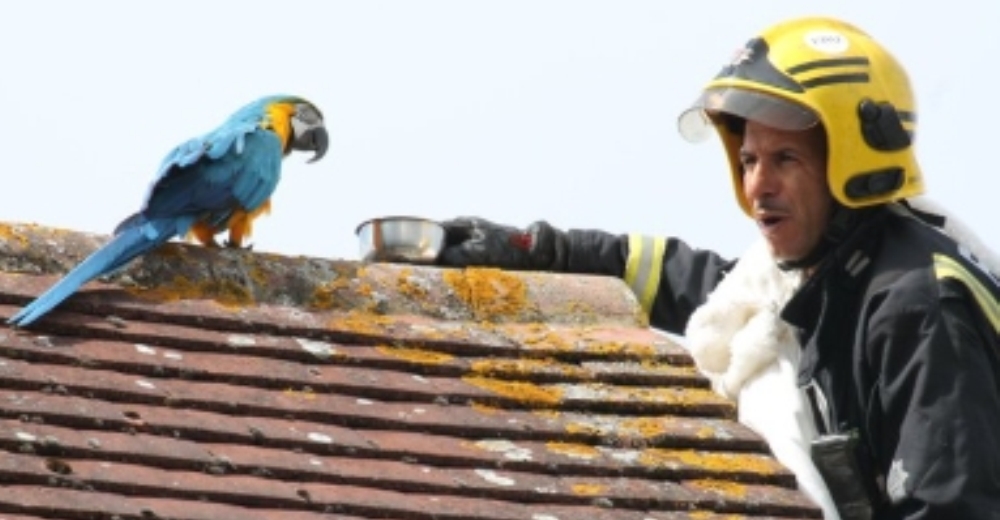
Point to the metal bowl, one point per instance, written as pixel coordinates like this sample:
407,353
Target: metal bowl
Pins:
412,240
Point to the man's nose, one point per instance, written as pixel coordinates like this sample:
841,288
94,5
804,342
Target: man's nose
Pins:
759,181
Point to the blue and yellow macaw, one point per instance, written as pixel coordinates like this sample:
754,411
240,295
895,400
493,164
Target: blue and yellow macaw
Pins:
220,181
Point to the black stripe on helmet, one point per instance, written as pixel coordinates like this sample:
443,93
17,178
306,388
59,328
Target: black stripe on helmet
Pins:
835,79
828,64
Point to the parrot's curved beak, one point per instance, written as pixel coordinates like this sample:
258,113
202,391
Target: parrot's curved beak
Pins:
314,139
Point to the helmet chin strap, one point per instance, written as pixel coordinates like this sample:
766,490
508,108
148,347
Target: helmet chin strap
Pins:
843,220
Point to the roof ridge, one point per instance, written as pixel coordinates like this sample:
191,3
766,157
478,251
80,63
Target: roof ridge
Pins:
245,279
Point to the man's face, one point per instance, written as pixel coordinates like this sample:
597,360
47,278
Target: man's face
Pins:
784,180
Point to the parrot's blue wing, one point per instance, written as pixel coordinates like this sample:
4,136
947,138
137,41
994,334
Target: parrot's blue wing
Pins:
217,184
212,145
221,141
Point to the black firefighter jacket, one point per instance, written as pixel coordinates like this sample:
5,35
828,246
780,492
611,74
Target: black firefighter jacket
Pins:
900,330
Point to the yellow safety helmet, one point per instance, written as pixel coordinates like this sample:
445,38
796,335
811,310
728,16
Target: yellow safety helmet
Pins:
809,71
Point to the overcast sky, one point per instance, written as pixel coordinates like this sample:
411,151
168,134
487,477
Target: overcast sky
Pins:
511,110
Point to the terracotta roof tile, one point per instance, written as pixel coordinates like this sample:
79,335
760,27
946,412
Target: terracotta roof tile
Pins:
216,384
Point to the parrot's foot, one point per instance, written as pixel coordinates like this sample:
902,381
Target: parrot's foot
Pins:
236,245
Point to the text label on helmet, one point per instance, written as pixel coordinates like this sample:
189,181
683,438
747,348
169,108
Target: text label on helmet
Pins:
828,42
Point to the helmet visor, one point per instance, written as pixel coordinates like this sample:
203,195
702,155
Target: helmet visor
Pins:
695,123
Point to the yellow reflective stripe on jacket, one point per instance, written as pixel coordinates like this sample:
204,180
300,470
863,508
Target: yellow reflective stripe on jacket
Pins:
643,267
945,267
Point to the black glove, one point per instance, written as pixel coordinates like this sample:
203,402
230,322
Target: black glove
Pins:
472,241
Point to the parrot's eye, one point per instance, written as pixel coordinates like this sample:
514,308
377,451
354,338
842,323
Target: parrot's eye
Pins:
307,114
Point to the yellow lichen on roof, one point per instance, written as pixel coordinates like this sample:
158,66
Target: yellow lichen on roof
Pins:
709,515
726,488
544,339
709,461
546,414
9,234
521,391
656,365
258,273
361,322
306,394
323,297
536,328
681,396
618,349
573,449
407,287
526,367
491,293
645,427
225,292
483,408
583,429
581,307
416,355
705,432
588,490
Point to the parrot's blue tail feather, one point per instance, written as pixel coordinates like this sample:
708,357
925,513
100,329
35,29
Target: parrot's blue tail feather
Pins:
124,247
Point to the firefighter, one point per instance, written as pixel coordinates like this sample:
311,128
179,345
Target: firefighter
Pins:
898,322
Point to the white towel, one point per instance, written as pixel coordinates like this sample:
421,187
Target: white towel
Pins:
749,354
